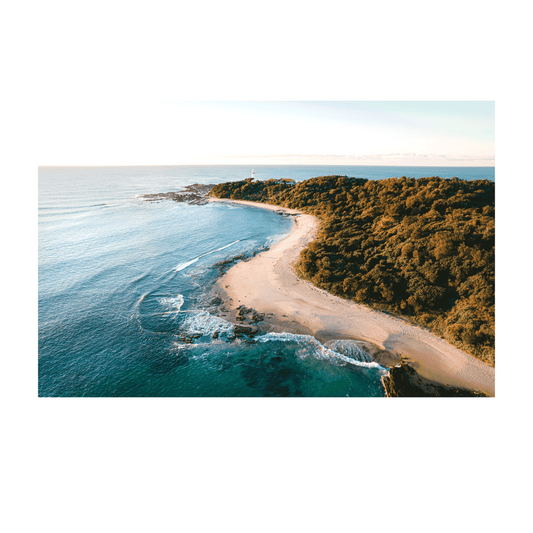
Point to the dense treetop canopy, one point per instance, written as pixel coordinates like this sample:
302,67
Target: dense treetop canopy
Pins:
419,248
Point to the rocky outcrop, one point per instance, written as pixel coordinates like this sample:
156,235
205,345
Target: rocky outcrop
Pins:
195,194
244,331
247,313
403,381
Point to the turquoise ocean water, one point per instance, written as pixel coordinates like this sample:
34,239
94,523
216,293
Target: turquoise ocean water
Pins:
121,278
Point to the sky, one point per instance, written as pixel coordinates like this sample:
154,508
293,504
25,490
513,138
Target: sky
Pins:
153,128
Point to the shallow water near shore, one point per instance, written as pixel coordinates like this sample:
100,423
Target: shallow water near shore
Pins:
122,281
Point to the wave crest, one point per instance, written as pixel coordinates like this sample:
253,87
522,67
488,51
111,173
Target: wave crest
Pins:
318,350
350,348
181,266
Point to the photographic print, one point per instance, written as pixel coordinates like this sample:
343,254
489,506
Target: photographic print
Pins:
270,249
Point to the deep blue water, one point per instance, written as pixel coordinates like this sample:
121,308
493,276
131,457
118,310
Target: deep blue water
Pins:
121,278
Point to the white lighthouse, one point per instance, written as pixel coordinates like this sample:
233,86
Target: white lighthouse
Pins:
253,173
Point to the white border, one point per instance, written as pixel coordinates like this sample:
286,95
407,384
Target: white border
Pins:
502,406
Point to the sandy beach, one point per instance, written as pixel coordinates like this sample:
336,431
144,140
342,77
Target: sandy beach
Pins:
268,284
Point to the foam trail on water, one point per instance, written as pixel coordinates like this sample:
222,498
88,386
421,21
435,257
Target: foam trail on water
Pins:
319,350
223,247
185,265
181,266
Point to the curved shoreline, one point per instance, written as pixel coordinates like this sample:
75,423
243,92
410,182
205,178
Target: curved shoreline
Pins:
268,284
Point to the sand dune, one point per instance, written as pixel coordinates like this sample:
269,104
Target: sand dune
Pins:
268,284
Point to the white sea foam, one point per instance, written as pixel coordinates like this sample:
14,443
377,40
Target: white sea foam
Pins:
350,348
181,266
185,265
206,324
318,350
173,303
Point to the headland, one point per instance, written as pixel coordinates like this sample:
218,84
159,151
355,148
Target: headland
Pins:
268,284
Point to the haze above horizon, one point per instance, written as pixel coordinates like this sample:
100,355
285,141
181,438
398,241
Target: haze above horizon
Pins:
111,131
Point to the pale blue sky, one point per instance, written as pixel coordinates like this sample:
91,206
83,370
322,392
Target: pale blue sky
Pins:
152,130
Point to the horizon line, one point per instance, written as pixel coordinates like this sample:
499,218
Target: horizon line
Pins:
261,165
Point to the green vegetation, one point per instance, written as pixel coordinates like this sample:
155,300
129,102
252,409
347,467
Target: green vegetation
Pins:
419,248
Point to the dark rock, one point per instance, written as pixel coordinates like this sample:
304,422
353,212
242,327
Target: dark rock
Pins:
245,330
404,381
257,317
217,301
193,194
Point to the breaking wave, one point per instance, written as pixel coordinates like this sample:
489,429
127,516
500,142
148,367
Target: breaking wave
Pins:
206,324
185,265
181,266
350,348
318,350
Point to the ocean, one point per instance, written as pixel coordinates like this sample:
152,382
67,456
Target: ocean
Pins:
123,280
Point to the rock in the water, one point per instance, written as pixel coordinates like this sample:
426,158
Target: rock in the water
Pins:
192,194
249,331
